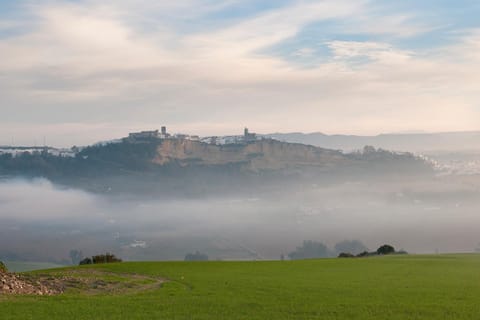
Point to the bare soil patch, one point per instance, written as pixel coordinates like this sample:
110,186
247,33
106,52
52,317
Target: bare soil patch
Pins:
87,281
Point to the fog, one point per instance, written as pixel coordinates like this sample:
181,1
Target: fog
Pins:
40,221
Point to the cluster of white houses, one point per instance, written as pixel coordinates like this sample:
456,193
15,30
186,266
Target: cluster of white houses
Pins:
16,151
147,136
136,137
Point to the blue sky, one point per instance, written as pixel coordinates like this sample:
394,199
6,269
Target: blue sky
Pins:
81,70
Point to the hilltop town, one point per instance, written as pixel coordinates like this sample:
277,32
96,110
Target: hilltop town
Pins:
148,136
136,138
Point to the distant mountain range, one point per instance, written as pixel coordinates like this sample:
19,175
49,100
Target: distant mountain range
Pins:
411,142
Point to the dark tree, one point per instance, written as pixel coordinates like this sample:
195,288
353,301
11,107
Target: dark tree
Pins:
365,254
85,261
76,256
101,258
310,250
105,258
350,246
197,256
386,249
346,255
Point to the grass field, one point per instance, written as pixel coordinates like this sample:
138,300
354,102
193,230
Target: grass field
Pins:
393,287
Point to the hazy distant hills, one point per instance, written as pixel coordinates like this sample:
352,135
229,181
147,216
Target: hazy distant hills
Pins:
412,142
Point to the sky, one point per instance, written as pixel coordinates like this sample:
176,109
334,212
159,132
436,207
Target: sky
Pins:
74,72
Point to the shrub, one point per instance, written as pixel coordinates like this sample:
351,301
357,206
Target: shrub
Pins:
346,255
364,254
101,258
105,258
350,246
85,261
3,268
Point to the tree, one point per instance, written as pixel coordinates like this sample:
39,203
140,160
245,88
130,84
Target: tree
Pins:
85,261
346,255
350,246
386,249
197,256
310,250
101,258
76,256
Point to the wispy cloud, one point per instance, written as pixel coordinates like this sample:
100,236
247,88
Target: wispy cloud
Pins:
122,62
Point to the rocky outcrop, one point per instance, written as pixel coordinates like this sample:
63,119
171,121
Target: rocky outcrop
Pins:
258,155
11,283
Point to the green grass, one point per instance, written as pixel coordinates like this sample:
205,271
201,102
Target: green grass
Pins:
395,287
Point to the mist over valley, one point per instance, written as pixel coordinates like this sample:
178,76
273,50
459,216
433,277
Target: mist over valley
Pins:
254,200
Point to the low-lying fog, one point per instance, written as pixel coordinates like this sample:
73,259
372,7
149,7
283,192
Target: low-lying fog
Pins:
43,222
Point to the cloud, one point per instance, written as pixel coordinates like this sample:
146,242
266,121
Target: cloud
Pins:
92,64
398,25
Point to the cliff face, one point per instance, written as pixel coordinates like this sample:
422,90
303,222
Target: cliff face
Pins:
258,155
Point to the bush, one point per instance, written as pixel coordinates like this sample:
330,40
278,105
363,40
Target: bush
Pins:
85,261
105,258
345,255
350,246
3,268
364,254
386,249
101,258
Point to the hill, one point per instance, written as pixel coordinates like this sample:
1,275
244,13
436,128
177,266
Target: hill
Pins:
165,165
396,287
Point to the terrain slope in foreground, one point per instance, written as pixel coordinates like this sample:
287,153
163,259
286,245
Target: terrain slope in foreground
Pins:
396,287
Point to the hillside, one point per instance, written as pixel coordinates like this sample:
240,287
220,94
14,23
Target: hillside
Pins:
258,155
396,287
182,165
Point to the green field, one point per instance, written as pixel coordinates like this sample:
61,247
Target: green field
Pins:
393,287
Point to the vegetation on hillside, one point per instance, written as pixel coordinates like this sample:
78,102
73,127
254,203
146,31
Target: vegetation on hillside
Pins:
3,267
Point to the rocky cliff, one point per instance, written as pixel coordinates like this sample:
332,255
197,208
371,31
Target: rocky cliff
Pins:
259,155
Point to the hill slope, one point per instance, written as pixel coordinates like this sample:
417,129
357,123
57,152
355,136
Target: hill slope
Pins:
188,166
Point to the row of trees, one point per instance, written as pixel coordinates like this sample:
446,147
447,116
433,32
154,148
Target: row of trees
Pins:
313,249
382,250
348,248
309,250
